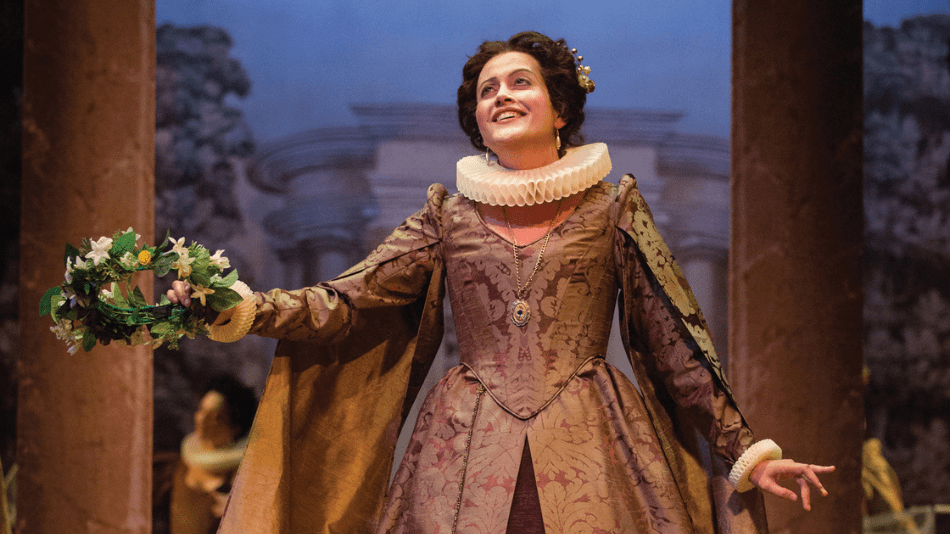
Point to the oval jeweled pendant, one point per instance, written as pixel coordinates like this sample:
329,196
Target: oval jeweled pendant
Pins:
520,312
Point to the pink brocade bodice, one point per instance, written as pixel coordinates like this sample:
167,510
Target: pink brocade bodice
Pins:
571,297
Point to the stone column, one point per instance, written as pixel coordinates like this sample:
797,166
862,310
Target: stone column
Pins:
795,270
85,420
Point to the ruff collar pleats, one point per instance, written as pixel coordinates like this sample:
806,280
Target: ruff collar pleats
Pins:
490,183
216,460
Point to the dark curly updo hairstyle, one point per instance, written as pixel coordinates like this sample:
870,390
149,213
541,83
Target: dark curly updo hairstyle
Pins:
560,76
239,400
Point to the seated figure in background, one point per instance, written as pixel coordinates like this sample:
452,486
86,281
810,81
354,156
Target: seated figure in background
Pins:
210,456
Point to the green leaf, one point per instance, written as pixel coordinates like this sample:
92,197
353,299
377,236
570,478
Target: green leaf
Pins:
137,299
201,254
118,298
46,300
201,278
201,263
163,264
161,329
224,299
164,244
228,280
71,252
88,341
55,307
124,244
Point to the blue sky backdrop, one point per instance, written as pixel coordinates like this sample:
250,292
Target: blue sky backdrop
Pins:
309,60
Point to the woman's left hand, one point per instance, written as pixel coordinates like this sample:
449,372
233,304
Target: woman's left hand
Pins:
768,473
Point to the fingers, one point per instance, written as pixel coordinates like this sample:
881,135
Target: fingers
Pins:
768,474
180,293
806,476
806,491
811,477
772,487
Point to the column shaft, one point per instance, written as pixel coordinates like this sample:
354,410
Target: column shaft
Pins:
795,270
84,435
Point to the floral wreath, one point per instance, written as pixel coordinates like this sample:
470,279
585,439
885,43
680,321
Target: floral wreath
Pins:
97,303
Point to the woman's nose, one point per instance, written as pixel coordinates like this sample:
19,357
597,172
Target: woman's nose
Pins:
503,95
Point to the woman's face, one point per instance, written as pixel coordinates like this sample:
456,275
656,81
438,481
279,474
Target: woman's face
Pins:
212,424
514,111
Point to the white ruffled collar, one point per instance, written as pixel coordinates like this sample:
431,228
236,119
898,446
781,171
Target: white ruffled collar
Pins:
490,183
217,460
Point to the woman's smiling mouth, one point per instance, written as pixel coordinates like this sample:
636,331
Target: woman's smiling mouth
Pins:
506,115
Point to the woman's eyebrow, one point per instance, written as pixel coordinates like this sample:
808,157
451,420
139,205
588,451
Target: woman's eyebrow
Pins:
492,79
523,69
512,73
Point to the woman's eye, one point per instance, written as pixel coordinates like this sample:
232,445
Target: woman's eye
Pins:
522,81
487,89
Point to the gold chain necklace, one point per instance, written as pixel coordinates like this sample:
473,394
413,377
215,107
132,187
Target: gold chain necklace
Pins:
520,310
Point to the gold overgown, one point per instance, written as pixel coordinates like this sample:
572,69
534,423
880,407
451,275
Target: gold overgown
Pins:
608,458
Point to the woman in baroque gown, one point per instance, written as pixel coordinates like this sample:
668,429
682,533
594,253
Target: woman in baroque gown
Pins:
534,431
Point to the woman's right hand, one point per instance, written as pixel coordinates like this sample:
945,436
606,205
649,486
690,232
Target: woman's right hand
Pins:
180,293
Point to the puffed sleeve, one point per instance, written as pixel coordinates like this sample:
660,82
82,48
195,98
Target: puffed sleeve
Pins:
665,331
393,275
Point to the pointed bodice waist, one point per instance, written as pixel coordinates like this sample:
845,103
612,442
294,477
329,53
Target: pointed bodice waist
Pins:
571,300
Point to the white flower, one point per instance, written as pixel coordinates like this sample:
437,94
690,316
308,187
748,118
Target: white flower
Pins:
100,250
220,261
128,260
178,247
108,293
200,292
183,265
63,330
80,264
70,267
69,294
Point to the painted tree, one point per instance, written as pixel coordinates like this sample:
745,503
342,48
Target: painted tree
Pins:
907,289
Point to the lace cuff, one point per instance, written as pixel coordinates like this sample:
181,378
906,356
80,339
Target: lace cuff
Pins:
761,450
